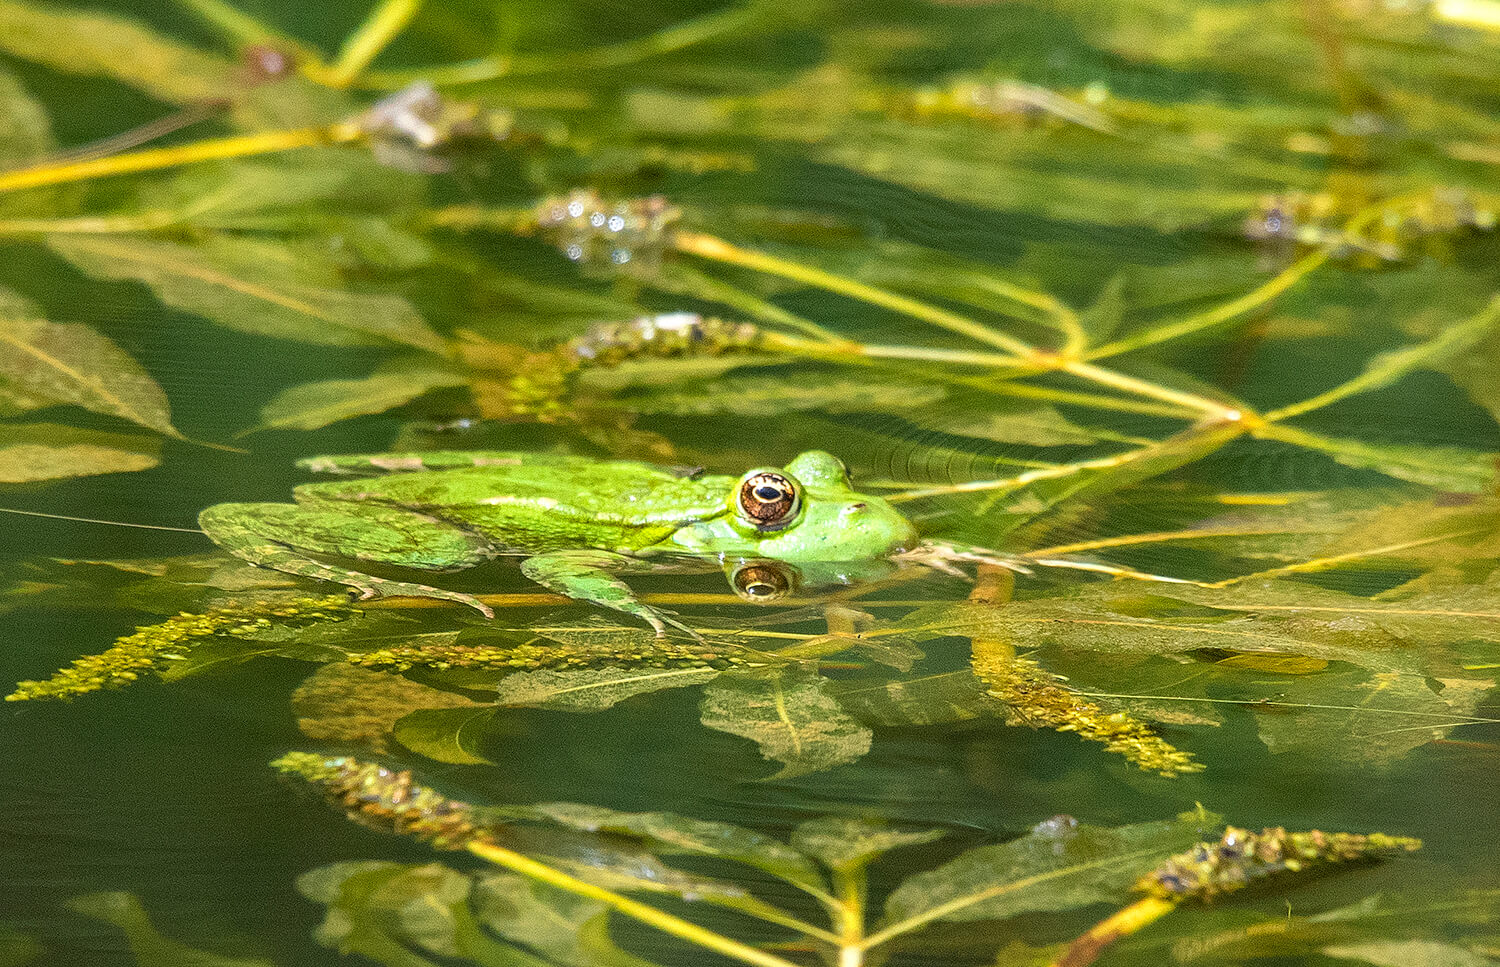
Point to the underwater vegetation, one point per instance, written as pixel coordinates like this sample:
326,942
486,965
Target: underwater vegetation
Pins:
1172,328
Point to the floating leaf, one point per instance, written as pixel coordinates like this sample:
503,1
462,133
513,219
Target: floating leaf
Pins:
46,451
593,689
71,363
253,286
451,735
790,715
151,949
314,405
1060,865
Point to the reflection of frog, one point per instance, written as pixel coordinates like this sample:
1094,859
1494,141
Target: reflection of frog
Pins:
577,522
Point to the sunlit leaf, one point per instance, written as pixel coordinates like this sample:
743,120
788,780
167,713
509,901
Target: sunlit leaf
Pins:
314,405
1060,865
71,363
255,287
592,689
151,949
790,715
46,451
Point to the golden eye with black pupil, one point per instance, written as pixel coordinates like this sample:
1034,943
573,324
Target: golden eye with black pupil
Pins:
767,500
761,581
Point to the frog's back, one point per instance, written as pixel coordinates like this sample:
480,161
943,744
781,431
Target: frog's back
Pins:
541,502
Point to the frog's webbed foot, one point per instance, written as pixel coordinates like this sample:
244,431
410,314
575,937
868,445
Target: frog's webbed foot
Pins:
284,536
585,575
946,556
367,587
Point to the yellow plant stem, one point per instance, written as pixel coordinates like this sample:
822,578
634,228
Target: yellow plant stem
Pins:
1140,387
649,915
675,37
366,43
267,142
1022,479
1025,356
246,30
1156,537
1087,948
717,250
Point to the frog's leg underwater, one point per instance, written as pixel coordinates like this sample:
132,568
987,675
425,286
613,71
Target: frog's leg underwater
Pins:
281,536
586,575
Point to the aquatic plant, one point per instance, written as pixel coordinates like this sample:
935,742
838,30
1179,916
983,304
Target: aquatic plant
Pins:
1059,865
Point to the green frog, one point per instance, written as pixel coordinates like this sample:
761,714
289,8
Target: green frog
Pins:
578,523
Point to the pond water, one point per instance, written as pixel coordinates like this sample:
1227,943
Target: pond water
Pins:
1170,325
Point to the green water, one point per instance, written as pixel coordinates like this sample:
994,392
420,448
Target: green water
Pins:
1101,205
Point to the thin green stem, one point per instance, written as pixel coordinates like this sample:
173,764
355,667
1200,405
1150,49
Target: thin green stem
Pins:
267,142
365,44
673,38
717,250
649,915
246,30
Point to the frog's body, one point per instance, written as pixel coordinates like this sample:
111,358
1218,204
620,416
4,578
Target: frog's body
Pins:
576,521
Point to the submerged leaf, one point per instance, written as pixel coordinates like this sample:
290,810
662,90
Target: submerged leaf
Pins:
254,286
1060,865
451,735
46,451
790,715
404,915
71,363
151,949
593,689
314,405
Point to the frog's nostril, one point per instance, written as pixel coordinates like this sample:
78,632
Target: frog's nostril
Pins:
857,506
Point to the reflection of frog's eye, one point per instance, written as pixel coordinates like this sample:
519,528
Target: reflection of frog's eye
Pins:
768,500
762,581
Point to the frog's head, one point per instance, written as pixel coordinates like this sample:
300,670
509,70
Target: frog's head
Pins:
807,511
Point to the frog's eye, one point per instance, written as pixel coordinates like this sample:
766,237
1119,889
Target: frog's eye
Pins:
768,500
762,581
